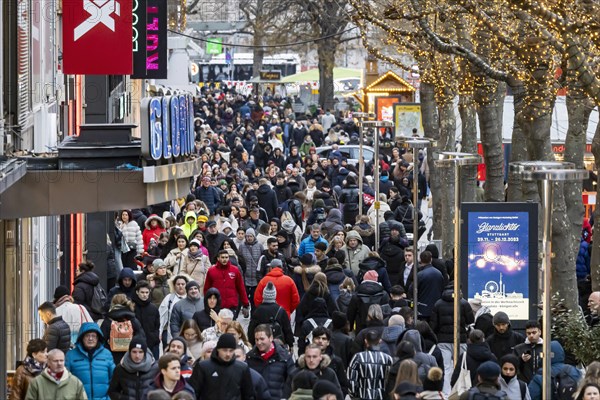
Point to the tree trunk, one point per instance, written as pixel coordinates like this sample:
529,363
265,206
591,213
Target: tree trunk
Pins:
519,190
431,130
326,51
446,142
466,108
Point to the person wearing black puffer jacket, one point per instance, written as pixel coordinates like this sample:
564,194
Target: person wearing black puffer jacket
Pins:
125,285
83,288
504,339
268,313
336,274
267,198
392,251
121,310
317,316
375,263
58,333
368,292
148,315
212,302
132,377
478,352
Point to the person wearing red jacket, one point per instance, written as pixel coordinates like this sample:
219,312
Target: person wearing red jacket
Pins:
287,292
155,225
227,278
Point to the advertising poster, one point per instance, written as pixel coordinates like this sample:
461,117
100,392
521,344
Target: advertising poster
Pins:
407,117
499,254
385,108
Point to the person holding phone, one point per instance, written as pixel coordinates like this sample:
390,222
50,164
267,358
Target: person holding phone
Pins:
529,352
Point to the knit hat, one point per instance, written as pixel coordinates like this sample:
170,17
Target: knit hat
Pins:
475,304
501,318
61,291
250,232
283,233
339,320
226,341
202,218
211,223
196,242
489,370
511,359
304,380
434,380
138,343
371,275
276,262
306,259
158,263
190,285
269,293
323,388
319,203
320,246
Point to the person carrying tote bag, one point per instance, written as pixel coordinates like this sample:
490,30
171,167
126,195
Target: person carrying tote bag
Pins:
463,383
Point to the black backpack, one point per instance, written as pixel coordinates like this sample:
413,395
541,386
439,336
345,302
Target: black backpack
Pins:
98,300
475,394
563,386
276,326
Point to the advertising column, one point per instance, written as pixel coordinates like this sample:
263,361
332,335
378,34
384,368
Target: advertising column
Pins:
499,256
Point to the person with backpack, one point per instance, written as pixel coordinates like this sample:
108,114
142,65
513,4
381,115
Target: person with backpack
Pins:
120,326
369,292
272,314
564,377
91,362
514,387
317,316
333,223
317,289
487,386
375,263
87,290
287,292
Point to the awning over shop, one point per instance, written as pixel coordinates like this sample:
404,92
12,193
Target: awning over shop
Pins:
57,192
11,170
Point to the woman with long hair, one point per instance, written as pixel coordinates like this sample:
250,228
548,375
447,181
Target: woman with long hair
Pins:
131,243
175,259
191,333
237,330
121,310
408,372
592,376
589,391
318,288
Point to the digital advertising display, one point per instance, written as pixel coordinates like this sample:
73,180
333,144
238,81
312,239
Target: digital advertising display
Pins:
499,257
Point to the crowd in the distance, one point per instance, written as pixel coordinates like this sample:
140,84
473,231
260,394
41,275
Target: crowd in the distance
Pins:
266,282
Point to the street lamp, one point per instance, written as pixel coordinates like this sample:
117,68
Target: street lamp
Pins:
361,116
457,160
376,125
415,144
547,172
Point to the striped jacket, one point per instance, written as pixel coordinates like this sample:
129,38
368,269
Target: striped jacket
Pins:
367,373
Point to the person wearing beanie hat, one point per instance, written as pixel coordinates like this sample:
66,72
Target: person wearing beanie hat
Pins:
371,275
233,380
73,314
323,389
302,385
504,339
343,345
269,293
186,307
287,292
487,383
509,383
251,251
133,376
178,346
433,385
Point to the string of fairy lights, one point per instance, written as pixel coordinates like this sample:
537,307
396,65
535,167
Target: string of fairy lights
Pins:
526,40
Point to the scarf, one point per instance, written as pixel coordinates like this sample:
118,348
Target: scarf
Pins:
269,353
195,255
34,367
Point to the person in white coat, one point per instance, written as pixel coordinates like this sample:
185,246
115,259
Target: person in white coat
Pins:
73,314
177,285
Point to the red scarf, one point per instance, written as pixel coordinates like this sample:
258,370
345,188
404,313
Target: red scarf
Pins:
57,377
269,353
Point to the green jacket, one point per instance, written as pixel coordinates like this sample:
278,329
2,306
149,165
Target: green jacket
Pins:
45,387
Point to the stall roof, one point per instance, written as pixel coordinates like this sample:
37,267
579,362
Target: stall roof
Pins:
390,82
313,75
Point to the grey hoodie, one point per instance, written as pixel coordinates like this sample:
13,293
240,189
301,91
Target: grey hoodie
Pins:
424,361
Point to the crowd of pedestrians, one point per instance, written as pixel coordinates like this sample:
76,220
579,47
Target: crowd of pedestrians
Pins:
266,282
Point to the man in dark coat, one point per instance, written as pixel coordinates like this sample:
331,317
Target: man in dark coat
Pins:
270,360
478,352
132,377
504,339
267,198
58,333
315,361
125,285
148,315
271,313
529,353
392,251
368,292
214,240
233,380
430,284
208,194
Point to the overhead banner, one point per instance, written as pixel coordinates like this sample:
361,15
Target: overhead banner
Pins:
214,46
97,37
499,257
149,39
